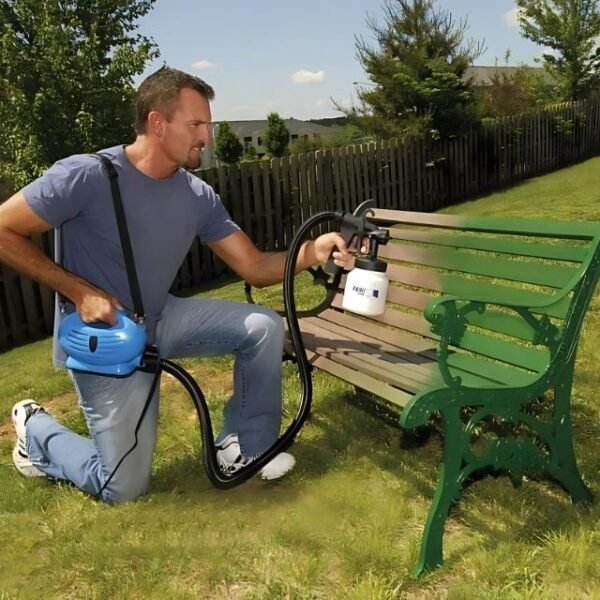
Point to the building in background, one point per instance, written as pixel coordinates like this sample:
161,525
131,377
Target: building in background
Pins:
486,76
251,133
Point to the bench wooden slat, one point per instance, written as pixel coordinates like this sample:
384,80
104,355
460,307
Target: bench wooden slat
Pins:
384,366
496,245
425,363
527,227
505,351
536,273
337,363
462,288
339,349
422,347
415,344
524,357
422,371
492,320
360,380
479,366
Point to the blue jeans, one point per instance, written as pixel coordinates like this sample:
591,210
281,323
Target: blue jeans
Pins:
112,406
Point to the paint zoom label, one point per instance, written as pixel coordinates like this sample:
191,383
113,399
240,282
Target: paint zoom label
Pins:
365,292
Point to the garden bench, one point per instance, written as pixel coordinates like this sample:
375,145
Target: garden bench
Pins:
483,317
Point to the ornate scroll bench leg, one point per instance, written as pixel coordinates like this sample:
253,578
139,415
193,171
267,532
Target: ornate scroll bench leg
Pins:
564,465
448,489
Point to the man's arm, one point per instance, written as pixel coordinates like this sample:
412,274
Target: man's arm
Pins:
17,223
261,269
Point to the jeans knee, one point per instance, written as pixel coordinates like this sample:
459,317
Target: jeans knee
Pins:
127,490
263,326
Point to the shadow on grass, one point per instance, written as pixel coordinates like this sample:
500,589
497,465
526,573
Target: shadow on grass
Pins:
352,433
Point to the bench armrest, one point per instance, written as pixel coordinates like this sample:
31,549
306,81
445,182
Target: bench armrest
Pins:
448,316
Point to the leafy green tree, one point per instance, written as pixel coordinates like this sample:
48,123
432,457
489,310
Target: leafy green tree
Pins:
345,135
303,145
66,79
416,72
570,28
517,90
339,135
228,148
250,154
276,136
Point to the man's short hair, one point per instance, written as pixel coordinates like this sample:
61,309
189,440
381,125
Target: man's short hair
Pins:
159,91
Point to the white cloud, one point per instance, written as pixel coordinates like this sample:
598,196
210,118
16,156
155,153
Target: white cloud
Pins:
202,65
304,76
510,17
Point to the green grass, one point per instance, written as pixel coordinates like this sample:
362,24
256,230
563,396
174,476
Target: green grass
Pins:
346,524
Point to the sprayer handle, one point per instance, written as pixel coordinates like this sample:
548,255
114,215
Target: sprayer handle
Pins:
348,231
355,228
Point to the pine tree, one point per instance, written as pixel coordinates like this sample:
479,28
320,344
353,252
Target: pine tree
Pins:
416,72
228,148
276,136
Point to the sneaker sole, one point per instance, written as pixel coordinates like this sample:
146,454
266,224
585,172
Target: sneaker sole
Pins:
281,465
24,465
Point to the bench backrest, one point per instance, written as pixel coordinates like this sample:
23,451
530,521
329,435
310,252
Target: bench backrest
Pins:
508,260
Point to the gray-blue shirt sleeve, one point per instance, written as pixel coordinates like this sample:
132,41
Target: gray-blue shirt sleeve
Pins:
58,195
215,223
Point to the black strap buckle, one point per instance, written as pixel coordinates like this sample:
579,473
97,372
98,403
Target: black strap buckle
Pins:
150,360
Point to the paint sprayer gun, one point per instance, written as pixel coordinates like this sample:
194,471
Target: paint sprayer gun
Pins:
366,287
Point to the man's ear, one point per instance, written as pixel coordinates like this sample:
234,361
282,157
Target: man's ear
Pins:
156,122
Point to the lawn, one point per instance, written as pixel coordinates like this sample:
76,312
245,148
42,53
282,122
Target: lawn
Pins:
346,524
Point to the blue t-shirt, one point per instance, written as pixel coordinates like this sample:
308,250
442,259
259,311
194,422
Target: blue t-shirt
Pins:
163,217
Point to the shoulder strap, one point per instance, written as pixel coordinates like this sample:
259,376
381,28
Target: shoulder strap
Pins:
134,285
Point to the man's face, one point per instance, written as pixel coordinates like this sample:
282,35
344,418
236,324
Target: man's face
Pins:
186,132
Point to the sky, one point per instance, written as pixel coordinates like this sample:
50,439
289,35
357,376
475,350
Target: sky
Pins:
293,57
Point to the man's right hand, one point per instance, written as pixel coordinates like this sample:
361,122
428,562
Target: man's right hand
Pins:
95,305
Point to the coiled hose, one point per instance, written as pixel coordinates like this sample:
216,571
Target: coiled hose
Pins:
209,455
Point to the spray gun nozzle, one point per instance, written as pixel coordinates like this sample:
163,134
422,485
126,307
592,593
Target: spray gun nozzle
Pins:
377,238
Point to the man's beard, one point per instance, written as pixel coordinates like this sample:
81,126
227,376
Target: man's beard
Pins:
194,163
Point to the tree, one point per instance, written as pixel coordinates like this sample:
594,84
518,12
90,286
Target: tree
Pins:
276,136
302,145
66,79
339,135
228,147
516,90
416,72
570,28
345,135
250,154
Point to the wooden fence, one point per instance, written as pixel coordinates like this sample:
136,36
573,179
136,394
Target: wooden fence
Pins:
269,199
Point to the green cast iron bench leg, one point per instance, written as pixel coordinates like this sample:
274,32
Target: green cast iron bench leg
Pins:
564,466
447,491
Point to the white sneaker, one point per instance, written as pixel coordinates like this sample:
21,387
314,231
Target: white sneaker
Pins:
21,413
230,460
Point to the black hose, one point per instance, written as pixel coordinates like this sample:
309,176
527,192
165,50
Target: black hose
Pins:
215,474
152,363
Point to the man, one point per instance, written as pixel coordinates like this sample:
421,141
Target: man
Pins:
165,207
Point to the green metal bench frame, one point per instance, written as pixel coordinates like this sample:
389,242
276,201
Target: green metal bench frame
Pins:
530,344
